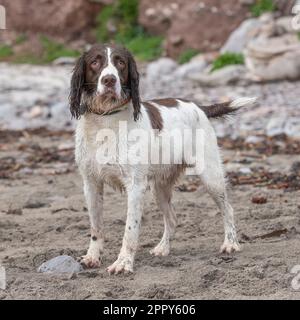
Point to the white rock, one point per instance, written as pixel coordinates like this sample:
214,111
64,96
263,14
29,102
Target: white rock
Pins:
254,139
158,75
275,53
192,67
241,36
276,126
35,112
227,75
276,58
64,61
285,23
281,67
245,170
66,145
150,12
268,48
161,67
292,127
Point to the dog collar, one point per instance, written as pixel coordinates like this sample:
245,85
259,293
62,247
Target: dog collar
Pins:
114,110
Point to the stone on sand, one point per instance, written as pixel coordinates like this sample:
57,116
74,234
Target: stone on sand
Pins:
60,264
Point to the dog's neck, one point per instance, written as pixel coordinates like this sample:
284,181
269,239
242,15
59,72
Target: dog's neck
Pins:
94,121
118,108
91,124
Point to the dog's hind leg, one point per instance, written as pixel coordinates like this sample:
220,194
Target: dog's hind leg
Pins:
231,243
218,192
213,179
163,195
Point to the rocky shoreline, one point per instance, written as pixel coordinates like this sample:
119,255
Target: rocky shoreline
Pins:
37,96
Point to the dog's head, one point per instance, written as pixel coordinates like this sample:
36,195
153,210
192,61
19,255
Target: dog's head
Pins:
104,78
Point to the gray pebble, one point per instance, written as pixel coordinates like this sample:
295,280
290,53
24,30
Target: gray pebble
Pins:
60,264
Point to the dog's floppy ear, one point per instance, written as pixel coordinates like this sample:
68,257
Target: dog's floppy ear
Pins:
133,81
77,86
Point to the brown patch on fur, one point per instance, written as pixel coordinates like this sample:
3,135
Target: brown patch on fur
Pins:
167,102
218,110
154,116
175,172
214,111
96,234
115,183
185,100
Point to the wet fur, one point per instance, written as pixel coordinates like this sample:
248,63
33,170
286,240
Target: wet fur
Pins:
161,115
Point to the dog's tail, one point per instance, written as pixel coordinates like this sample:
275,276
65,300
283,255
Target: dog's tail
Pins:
221,110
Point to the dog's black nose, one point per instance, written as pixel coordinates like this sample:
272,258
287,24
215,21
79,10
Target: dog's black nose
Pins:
109,80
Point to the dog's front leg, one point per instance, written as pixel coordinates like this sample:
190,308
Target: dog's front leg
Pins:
93,191
136,189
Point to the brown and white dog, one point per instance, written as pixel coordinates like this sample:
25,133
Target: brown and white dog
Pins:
105,93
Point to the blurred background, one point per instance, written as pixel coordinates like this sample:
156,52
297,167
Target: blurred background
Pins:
38,31
183,48
204,50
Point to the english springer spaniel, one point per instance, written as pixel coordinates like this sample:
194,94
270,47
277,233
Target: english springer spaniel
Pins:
105,95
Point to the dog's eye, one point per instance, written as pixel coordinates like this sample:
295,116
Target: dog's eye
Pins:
121,63
95,64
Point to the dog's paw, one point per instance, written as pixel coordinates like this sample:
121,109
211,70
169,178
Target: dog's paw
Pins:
160,250
89,261
230,247
121,265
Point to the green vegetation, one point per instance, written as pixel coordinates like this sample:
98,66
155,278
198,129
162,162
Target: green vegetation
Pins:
145,48
102,20
5,51
21,38
262,6
123,19
28,58
128,11
227,58
187,55
53,50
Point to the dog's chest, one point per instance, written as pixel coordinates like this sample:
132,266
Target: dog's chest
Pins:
97,149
